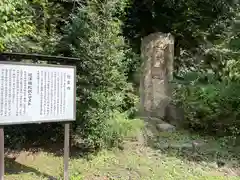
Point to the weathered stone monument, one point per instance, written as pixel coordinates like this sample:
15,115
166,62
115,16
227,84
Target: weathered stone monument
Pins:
157,53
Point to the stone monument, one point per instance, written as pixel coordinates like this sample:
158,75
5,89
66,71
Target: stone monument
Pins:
157,53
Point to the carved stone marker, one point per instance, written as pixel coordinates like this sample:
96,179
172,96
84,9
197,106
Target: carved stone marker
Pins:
157,52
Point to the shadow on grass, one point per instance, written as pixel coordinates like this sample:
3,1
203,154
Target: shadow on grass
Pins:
191,147
46,137
13,167
52,147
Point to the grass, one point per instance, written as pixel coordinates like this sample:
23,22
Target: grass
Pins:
135,162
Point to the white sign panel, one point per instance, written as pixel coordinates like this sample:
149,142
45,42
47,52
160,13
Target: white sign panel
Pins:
32,93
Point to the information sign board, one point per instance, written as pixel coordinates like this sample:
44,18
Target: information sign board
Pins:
36,93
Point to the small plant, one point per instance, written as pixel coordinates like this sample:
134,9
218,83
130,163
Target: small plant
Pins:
76,177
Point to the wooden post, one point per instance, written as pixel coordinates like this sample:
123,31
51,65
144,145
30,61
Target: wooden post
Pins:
66,150
1,153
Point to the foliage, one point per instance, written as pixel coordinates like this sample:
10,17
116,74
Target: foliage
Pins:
92,31
15,20
94,35
31,26
222,55
195,24
211,101
212,107
100,32
207,42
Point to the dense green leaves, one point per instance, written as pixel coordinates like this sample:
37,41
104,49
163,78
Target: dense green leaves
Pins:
15,20
206,51
211,107
196,25
94,35
99,33
90,30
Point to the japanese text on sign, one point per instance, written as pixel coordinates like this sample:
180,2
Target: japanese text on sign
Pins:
33,93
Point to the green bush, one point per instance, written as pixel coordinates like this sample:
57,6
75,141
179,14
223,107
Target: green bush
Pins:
212,107
94,35
16,22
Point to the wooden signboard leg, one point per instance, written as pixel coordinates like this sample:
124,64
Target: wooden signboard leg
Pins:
1,153
66,150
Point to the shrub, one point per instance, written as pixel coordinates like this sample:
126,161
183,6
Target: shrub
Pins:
211,108
94,35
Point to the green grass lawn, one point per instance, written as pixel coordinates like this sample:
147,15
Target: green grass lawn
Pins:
135,162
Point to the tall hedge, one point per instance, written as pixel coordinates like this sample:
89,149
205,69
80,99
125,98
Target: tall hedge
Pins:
94,35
